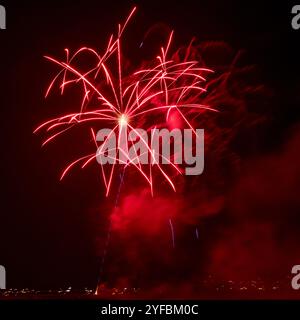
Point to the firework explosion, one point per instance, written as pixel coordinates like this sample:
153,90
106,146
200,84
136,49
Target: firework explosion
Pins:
145,98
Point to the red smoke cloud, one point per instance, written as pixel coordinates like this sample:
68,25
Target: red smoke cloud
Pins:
263,236
143,214
248,233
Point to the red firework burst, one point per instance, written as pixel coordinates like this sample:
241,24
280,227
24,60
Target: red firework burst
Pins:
123,101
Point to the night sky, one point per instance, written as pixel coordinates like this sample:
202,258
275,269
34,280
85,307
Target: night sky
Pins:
49,229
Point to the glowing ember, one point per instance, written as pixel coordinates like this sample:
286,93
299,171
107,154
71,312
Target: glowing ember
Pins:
123,120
